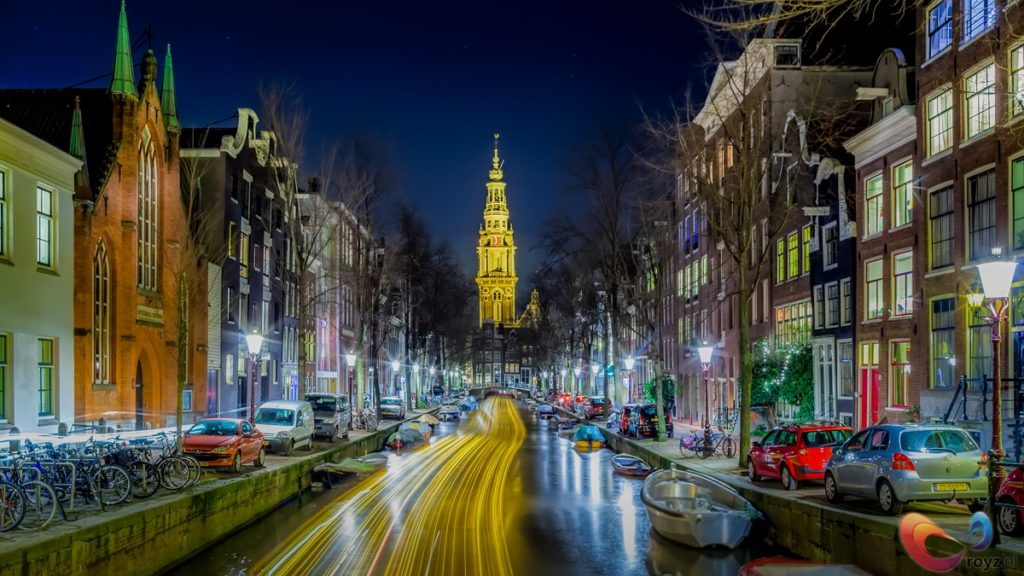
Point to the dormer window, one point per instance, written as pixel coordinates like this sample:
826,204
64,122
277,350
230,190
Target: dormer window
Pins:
787,55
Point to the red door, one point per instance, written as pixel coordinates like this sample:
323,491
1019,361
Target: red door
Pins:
868,413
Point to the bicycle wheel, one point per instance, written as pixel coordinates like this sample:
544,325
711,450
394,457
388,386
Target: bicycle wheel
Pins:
12,505
112,484
705,450
729,447
174,472
41,505
195,471
145,479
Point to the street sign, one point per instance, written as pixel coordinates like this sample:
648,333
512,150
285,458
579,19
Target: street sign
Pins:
609,370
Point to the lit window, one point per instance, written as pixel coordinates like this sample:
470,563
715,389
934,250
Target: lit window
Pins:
940,27
900,377
794,255
146,227
805,255
243,255
4,229
780,266
943,352
940,122
979,16
873,298
940,224
981,214
1017,80
232,248
44,227
1017,199
874,208
902,194
101,315
46,375
980,101
903,283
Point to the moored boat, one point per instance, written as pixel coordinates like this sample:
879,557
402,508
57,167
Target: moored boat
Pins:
587,437
629,465
696,510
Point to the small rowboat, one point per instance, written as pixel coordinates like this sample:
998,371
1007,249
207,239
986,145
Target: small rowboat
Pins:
629,465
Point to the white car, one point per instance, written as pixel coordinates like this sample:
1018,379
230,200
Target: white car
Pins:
286,425
392,407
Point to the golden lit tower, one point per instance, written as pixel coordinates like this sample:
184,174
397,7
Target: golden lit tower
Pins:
496,274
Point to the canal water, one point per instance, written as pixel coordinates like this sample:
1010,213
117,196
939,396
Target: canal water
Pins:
566,513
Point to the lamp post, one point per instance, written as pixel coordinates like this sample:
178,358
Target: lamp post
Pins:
419,384
576,371
705,353
996,277
350,364
630,363
594,369
255,343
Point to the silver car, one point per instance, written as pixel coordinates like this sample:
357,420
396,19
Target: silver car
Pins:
900,463
392,407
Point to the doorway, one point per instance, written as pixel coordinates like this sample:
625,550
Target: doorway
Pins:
138,396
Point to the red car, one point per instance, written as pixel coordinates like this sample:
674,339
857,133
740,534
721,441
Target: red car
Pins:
563,400
596,406
225,443
1011,492
795,453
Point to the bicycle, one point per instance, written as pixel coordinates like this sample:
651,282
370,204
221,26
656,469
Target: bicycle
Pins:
721,443
369,417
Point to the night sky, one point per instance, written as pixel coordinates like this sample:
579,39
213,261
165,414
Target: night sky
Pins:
432,80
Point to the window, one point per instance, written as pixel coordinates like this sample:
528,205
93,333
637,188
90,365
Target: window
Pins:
874,209
1017,80
903,283
981,214
846,313
232,248
980,101
101,315
940,122
45,377
243,255
940,27
780,267
146,227
704,270
44,227
900,375
1017,200
943,331
3,376
979,15
940,224
846,369
793,323
819,307
4,229
805,255
232,305
831,252
787,55
794,255
979,346
873,299
902,194
832,307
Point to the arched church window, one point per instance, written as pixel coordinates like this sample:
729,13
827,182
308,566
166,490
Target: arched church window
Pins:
101,314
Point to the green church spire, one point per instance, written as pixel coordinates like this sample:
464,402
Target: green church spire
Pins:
77,146
124,80
167,96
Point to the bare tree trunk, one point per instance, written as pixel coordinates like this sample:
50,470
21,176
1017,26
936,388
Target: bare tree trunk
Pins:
746,362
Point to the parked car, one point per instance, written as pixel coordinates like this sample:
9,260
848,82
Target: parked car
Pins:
900,463
1011,492
795,453
225,443
392,407
564,400
641,420
287,424
331,414
596,406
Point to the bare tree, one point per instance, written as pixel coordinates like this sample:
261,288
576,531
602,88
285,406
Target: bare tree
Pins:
823,14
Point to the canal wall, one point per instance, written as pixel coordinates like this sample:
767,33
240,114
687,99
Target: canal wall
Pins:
150,536
820,532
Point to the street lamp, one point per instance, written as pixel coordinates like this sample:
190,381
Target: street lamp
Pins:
594,369
255,343
630,363
705,353
576,372
996,277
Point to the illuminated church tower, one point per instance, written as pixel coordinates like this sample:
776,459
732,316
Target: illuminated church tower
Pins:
496,274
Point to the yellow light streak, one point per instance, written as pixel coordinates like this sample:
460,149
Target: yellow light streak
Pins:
436,511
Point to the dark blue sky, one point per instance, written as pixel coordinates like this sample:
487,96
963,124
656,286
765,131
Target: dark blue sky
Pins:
433,80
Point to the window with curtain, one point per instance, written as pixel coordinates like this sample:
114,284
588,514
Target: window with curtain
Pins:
873,297
940,122
940,227
44,227
874,208
903,283
1017,201
979,346
805,249
902,194
794,254
943,331
1017,80
981,214
899,381
980,101
940,27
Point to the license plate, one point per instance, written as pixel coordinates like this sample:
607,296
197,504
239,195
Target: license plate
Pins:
952,486
266,443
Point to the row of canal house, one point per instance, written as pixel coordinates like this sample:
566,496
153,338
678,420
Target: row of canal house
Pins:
876,267
94,240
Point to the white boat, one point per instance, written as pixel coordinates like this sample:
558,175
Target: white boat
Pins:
696,510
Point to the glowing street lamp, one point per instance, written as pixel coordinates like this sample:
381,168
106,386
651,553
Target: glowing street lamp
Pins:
630,363
705,353
996,278
254,341
350,363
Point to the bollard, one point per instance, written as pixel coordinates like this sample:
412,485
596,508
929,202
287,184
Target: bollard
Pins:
15,444
62,429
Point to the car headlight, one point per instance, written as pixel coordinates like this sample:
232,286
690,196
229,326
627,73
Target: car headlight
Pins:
282,434
222,449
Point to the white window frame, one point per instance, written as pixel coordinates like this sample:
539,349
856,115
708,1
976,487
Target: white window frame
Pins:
819,307
943,32
907,279
971,12
46,231
979,100
1015,68
845,302
902,192
874,207
878,312
939,121
831,322
828,259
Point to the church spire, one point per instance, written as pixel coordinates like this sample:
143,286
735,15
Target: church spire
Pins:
167,95
496,163
77,149
124,80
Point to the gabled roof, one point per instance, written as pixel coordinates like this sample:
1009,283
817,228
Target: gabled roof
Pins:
48,114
